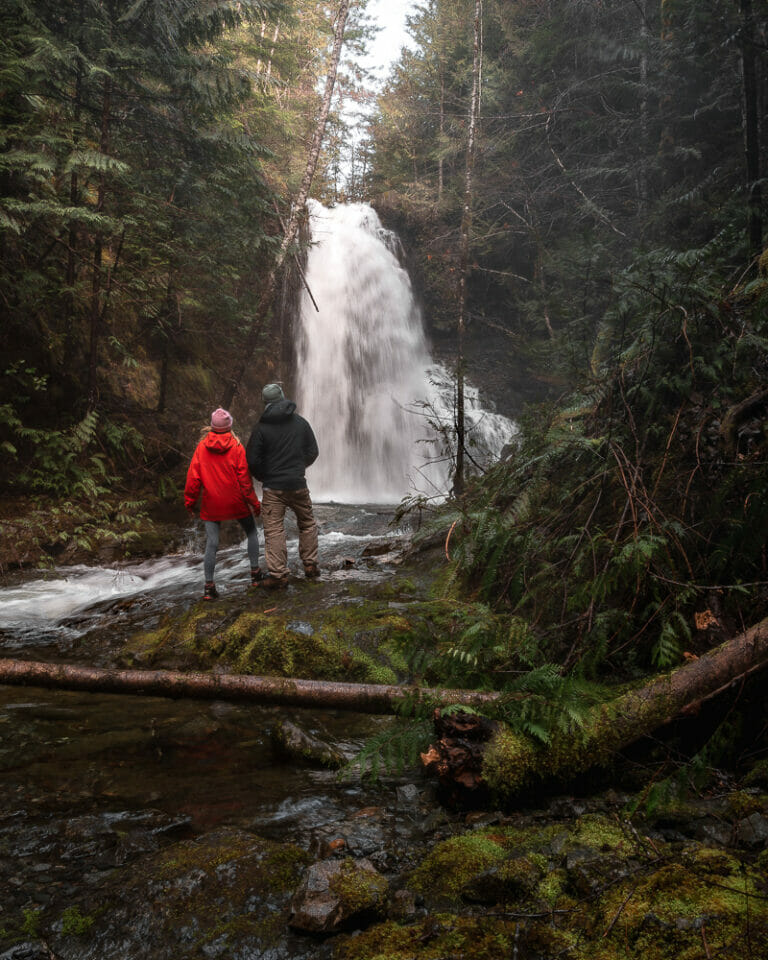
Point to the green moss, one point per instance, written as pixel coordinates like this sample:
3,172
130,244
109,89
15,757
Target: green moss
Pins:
453,863
74,923
437,937
351,643
512,762
758,775
742,804
278,869
601,833
358,889
552,888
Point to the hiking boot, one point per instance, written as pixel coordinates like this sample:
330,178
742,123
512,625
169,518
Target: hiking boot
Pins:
311,571
271,582
257,575
210,592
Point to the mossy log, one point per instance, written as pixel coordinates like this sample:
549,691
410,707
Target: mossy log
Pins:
512,763
360,697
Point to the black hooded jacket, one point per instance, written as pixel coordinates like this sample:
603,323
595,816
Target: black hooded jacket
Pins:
281,446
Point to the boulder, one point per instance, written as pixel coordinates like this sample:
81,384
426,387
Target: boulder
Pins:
338,895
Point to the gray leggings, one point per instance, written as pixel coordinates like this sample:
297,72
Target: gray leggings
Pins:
212,528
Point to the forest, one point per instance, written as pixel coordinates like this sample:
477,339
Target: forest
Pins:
579,190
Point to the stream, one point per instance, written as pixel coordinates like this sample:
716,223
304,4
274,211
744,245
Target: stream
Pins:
93,783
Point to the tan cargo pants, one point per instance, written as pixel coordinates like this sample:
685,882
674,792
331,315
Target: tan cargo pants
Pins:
273,506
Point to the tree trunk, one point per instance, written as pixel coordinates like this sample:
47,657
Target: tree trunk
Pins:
96,316
642,170
513,763
441,138
751,128
74,200
466,226
297,209
360,697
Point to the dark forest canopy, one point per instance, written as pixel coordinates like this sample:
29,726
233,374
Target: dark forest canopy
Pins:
609,130
145,151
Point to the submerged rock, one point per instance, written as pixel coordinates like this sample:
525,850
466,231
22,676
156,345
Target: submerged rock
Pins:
291,741
338,894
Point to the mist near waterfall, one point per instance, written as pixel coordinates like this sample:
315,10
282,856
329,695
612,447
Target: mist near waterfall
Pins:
381,409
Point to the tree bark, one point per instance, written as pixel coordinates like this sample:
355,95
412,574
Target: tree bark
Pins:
98,244
513,763
751,123
359,697
466,226
297,208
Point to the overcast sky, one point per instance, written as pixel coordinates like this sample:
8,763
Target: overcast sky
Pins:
385,49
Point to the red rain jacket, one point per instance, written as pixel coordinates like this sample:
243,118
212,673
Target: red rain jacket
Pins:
220,469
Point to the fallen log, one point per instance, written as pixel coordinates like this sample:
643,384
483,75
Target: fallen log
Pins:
512,763
360,697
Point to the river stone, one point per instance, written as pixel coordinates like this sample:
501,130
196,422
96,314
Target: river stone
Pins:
752,831
290,740
223,895
593,875
408,795
338,894
379,549
27,951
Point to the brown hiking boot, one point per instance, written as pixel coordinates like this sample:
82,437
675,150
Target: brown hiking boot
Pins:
272,583
311,571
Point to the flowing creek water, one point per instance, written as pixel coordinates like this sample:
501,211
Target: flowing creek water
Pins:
93,782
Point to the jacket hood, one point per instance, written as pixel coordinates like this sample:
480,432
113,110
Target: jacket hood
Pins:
278,411
219,442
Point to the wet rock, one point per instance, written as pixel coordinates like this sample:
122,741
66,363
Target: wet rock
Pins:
402,906
336,895
408,795
593,875
752,831
27,951
438,819
367,834
227,892
714,831
580,855
477,819
379,549
301,627
566,808
291,741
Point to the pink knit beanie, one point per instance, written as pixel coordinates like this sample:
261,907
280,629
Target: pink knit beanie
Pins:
221,421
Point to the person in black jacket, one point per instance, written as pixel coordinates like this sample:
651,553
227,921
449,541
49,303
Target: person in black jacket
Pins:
281,446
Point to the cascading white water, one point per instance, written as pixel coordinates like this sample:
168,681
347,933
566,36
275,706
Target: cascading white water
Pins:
365,380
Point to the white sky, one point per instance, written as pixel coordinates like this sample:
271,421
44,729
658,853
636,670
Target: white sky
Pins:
385,48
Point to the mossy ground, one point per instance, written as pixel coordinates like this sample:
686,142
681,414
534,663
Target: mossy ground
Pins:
589,889
372,634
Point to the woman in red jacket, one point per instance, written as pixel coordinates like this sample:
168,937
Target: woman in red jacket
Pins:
219,469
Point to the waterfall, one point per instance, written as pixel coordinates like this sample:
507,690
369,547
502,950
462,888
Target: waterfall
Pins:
365,379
